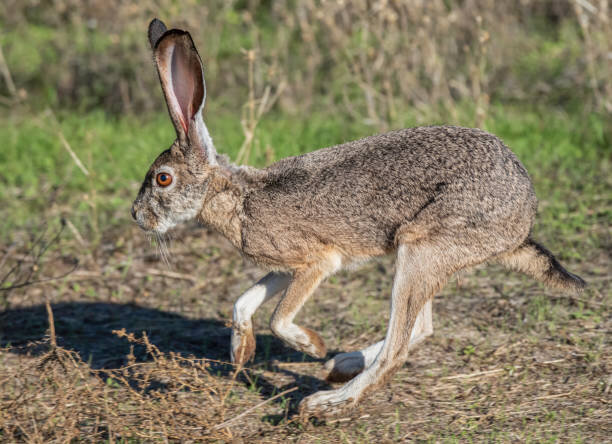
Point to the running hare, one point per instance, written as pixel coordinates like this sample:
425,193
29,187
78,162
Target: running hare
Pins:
440,198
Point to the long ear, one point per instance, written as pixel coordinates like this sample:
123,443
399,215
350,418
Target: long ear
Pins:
181,76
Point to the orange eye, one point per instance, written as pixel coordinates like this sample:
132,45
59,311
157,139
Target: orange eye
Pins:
163,179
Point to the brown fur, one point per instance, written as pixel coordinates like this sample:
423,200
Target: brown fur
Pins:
444,197
316,341
304,283
221,200
536,261
246,350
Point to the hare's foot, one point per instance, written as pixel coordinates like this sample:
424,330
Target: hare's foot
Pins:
243,339
243,343
300,338
368,368
328,402
345,366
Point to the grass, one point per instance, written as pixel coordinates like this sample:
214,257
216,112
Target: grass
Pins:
545,356
567,156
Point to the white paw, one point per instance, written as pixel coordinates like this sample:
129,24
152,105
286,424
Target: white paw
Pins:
326,402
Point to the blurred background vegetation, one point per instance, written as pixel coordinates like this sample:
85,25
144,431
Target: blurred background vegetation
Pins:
82,114
369,59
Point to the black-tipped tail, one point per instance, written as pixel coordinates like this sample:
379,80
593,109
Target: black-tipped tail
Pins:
536,261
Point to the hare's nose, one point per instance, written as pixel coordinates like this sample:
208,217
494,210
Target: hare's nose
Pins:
133,212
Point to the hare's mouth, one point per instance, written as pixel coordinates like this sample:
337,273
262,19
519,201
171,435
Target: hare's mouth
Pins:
155,228
153,223
146,228
149,223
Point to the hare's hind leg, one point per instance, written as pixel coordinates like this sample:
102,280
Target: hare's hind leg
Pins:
243,339
422,269
345,366
305,282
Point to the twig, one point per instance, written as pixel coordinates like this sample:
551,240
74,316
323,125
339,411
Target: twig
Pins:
76,233
255,407
53,353
51,324
497,370
475,374
72,153
333,421
559,395
84,275
293,364
168,274
6,73
41,281
37,251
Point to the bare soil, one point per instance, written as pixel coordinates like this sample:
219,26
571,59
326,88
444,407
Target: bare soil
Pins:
142,348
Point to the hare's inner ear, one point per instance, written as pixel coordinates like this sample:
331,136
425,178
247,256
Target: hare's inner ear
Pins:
181,75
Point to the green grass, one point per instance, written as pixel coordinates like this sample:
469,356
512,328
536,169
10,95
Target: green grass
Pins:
567,155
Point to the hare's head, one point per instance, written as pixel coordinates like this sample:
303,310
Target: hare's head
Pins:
173,189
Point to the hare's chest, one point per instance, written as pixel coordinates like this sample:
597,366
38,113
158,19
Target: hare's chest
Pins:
280,244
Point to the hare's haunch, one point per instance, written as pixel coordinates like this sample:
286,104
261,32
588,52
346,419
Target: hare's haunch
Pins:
440,198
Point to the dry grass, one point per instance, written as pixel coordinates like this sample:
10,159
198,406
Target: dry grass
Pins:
60,398
140,354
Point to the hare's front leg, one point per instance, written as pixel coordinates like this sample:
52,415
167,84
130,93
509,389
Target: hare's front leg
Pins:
305,282
419,275
345,366
243,339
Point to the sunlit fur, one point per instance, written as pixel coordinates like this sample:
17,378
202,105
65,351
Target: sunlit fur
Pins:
160,208
440,198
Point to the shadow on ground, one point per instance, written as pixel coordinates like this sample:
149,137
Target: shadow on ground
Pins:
87,328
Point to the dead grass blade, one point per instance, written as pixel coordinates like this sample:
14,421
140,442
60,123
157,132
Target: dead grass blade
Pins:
497,370
255,407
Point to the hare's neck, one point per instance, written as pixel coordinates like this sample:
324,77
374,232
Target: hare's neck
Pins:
222,206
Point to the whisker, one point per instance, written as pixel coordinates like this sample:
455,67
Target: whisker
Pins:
169,240
163,248
162,244
160,252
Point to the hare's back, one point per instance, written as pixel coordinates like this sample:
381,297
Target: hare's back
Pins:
365,189
398,157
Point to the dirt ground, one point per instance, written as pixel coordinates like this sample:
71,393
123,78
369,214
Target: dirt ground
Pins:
142,348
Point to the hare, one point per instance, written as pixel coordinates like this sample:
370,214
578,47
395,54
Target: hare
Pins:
440,198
